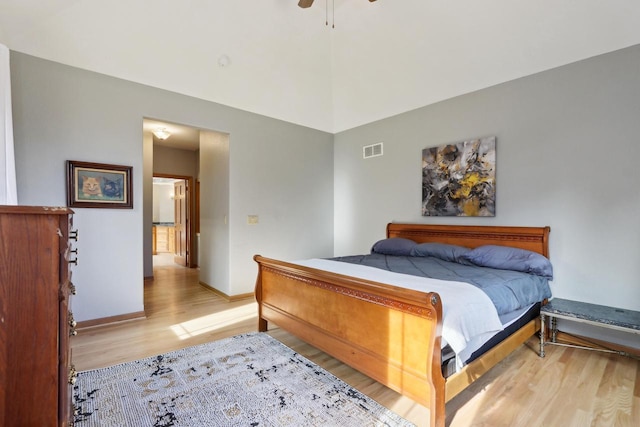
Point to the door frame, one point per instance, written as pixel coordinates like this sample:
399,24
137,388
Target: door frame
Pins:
191,259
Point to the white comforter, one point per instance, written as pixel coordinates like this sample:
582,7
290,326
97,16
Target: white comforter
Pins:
469,316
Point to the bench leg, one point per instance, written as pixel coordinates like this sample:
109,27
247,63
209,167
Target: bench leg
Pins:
542,334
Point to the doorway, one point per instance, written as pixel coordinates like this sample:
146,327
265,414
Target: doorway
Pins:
173,224
170,150
203,156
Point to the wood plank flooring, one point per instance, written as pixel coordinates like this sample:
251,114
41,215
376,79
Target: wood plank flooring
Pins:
568,388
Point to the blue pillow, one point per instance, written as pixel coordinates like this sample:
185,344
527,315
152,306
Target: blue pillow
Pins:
441,251
506,258
394,246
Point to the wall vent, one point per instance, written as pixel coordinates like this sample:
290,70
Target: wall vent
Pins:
373,150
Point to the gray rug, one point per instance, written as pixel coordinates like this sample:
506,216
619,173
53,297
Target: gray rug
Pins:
246,380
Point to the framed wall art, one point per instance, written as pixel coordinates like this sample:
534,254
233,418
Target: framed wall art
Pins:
460,179
98,185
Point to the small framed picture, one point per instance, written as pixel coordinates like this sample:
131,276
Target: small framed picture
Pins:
98,185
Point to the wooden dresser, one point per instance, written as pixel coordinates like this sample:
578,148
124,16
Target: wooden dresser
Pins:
35,321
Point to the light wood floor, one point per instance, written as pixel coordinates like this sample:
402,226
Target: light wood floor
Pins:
569,387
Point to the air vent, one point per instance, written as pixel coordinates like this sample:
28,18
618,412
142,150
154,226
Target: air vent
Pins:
374,150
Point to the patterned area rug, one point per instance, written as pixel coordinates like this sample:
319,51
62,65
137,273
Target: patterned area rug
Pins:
246,380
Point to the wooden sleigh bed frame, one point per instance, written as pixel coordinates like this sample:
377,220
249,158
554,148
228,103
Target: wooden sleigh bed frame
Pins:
389,333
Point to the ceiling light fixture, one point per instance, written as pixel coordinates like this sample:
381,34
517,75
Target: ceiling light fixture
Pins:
162,133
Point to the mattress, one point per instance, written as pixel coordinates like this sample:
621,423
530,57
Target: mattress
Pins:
512,322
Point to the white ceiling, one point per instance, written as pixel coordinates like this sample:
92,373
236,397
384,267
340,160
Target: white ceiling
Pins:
381,59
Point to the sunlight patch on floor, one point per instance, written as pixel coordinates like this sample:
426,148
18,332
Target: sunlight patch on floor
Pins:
215,321
472,409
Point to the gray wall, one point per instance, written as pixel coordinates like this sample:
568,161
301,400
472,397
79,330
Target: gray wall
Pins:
173,161
214,211
62,113
568,147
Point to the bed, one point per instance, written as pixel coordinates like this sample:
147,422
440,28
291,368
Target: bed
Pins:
390,333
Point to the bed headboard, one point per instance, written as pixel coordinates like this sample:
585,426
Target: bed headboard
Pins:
534,239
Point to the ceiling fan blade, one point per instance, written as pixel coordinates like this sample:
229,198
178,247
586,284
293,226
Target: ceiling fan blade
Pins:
305,3
371,1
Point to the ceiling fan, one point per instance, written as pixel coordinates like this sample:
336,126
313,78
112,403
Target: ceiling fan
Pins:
307,3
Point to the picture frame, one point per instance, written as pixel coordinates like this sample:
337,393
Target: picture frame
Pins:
460,179
99,185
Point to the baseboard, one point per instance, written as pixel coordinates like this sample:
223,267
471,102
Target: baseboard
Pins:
229,298
112,319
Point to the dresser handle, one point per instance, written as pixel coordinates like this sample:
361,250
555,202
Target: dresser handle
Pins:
72,321
72,325
73,375
75,252
73,234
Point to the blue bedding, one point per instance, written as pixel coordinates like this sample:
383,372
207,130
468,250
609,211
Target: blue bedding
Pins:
509,290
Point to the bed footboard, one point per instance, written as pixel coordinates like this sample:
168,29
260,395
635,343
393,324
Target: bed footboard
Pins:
388,333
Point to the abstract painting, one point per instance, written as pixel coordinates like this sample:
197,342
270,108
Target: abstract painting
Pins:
460,179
